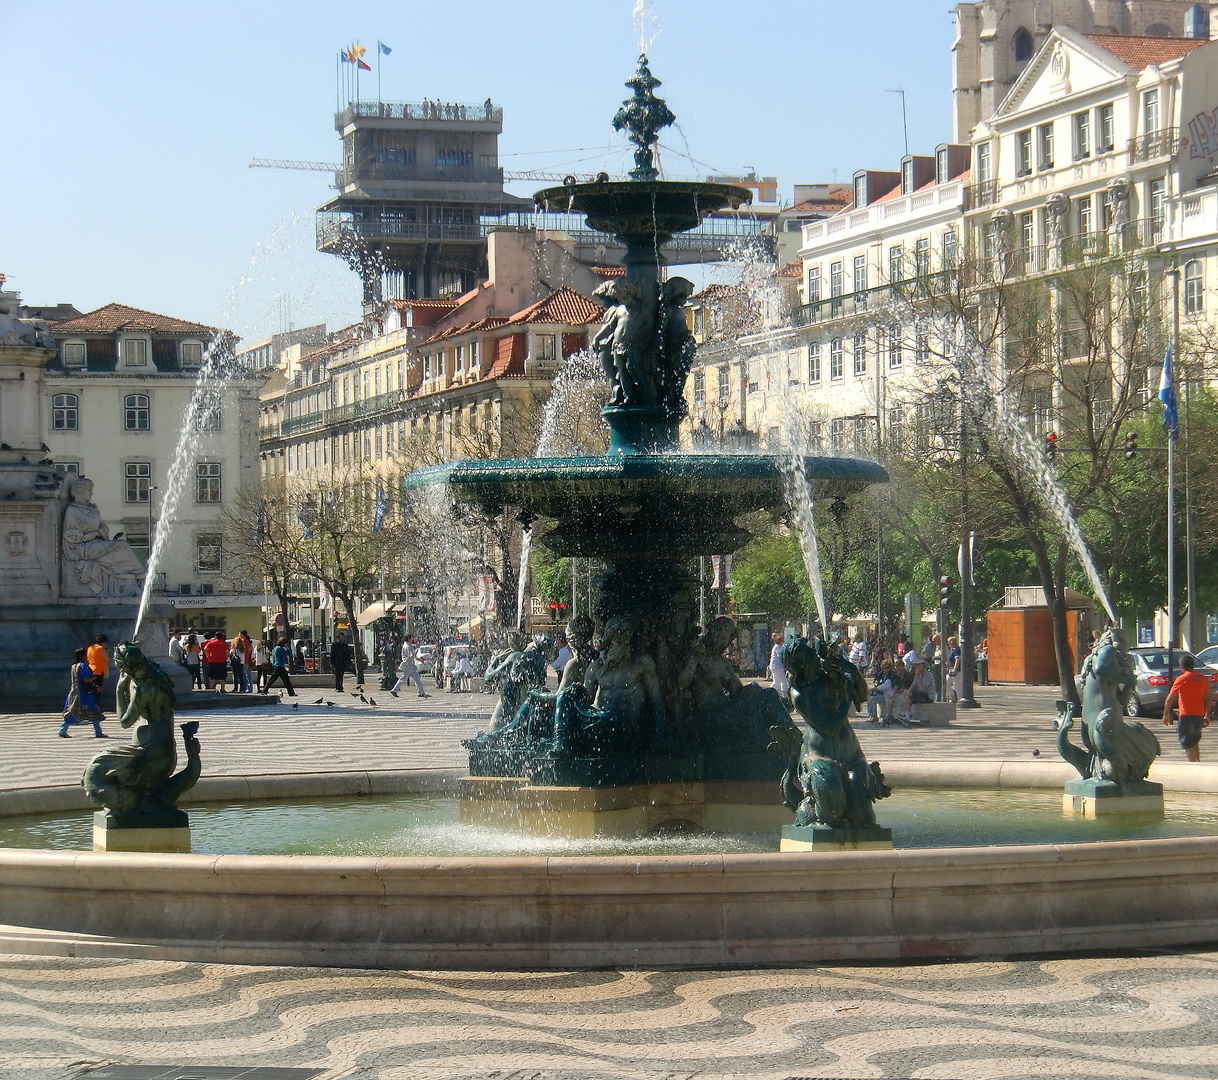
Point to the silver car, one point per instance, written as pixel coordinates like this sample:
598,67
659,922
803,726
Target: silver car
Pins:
1154,678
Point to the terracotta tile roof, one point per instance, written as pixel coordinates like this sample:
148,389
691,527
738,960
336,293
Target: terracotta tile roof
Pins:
792,269
509,357
609,271
719,292
115,317
895,193
465,328
1140,52
563,305
820,207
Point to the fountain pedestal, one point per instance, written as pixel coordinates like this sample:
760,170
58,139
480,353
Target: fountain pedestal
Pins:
1101,798
823,838
580,813
129,832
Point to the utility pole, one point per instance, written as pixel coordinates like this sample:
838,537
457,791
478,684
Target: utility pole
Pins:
1171,485
1196,632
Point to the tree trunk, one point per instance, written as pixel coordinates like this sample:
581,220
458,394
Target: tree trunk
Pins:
357,653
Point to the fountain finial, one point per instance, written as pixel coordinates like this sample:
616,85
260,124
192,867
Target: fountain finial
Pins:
643,115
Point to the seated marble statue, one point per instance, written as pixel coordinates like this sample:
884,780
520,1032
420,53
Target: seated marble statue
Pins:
828,779
138,779
719,710
1114,749
105,567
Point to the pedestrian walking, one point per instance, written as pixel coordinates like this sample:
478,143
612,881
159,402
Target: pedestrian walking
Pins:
562,657
778,672
340,660
236,661
1193,695
954,660
82,704
280,660
98,658
408,669
247,653
262,663
194,661
177,650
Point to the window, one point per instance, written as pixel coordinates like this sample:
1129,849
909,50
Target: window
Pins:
860,354
835,279
368,380
907,177
1194,288
379,441
135,352
138,543
207,481
894,348
449,158
136,413
473,356
725,383
460,350
860,273
951,246
700,321
835,358
1150,112
139,481
1158,195
68,466
813,285
376,382
209,553
192,354
921,346
402,369
73,354
943,166
1085,221
65,412
896,267
1105,211
1025,225
1082,135
837,436
814,362
815,437
1023,153
1022,46
699,387
547,346
860,191
922,257
1044,148
985,164
208,411
346,388
1105,131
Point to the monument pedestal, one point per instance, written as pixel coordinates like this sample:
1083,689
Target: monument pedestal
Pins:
824,838
1100,798
130,832
578,813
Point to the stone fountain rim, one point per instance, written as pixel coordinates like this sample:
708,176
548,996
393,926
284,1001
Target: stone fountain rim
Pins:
732,195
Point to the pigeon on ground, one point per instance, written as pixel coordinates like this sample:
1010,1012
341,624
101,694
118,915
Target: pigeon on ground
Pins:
329,704
1036,753
295,704
319,701
363,699
372,701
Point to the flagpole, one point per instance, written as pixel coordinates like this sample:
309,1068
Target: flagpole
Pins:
1171,484
378,71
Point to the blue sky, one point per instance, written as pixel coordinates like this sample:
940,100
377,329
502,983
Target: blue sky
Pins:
125,175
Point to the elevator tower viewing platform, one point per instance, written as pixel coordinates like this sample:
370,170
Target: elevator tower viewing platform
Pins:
416,181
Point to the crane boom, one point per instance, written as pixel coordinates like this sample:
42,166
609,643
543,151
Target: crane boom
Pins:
326,166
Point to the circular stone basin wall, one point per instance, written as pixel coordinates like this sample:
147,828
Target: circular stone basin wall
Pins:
572,912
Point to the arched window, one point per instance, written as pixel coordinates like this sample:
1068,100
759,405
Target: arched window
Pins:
136,412
65,412
1194,288
1159,30
1023,46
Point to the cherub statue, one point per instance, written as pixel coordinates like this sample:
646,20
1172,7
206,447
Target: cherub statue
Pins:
675,343
828,779
513,673
1114,749
625,343
624,685
138,779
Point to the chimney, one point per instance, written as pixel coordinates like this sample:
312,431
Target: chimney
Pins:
1197,23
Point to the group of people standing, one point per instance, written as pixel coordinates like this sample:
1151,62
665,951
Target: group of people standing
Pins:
212,660
86,678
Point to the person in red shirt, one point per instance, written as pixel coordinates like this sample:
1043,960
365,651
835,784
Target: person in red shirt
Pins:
1193,695
215,656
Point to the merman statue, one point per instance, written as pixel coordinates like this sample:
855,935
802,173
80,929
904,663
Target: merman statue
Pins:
137,783
828,779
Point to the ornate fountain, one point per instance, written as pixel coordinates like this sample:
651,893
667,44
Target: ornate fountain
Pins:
660,730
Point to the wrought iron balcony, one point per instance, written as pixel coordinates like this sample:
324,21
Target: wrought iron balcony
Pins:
420,110
1154,144
986,193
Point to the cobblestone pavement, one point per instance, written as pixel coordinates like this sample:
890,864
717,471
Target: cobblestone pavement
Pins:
1101,1017
412,733
1137,1016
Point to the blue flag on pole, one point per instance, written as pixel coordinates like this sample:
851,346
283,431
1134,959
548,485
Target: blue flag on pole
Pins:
382,505
383,48
1167,395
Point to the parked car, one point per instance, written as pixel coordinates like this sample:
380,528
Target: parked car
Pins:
1154,678
1209,655
426,657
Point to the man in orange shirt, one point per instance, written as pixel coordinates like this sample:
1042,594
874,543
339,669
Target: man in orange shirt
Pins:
215,655
1192,694
98,660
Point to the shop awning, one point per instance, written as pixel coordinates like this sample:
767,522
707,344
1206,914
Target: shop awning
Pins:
376,610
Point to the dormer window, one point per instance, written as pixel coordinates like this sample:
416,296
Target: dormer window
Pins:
942,166
907,176
547,347
74,354
192,354
473,355
860,191
135,352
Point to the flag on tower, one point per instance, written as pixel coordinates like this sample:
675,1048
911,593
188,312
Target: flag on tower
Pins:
383,48
1167,395
382,507
362,65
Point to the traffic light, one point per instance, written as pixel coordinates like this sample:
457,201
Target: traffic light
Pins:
945,591
1051,446
1131,445
553,611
